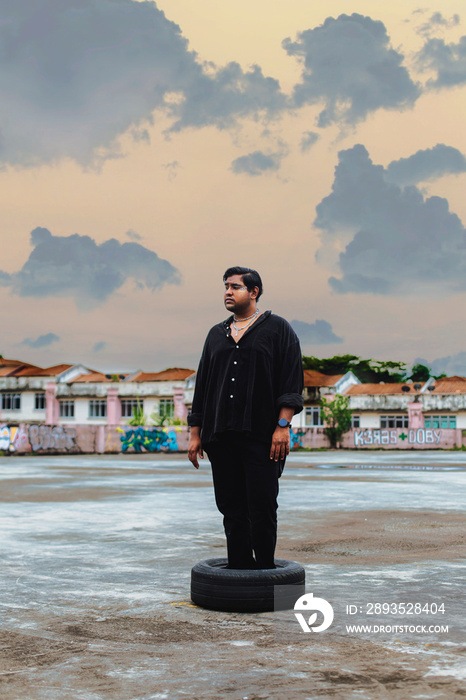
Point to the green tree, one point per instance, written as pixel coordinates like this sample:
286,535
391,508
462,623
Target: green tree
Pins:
337,417
372,371
420,373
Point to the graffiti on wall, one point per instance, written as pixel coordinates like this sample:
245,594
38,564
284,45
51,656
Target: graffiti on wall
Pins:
52,437
12,437
421,436
112,443
149,439
296,439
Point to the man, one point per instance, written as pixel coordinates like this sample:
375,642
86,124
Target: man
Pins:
248,387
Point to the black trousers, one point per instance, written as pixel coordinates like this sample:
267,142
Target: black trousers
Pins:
246,490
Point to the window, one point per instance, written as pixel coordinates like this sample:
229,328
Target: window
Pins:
166,407
400,421
39,401
11,402
97,408
355,421
436,422
312,417
128,405
66,408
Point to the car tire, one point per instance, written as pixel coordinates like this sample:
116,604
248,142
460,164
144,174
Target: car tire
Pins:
215,587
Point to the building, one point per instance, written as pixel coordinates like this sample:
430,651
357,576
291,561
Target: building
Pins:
438,404
75,394
75,408
316,387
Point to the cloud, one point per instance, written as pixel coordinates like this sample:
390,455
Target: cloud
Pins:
226,96
438,21
392,240
349,65
308,139
448,61
5,279
76,266
451,365
133,235
172,169
42,341
318,333
99,346
74,76
257,163
428,164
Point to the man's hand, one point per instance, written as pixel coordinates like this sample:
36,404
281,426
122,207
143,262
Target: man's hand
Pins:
195,447
280,443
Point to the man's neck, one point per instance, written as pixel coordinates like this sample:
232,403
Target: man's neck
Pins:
246,313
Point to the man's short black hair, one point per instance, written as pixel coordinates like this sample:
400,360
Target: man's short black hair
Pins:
251,278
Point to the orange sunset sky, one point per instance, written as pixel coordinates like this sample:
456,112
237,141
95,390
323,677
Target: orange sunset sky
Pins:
146,147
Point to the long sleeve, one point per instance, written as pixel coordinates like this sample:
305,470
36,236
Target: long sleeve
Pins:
291,382
197,411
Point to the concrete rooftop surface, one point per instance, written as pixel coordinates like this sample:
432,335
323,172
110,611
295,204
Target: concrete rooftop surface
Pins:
96,556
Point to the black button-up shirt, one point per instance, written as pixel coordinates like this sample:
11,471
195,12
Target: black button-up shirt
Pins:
242,386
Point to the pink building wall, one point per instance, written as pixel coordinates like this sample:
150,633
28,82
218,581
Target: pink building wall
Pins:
180,409
113,407
52,407
90,439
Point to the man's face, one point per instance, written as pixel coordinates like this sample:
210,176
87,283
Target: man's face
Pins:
237,296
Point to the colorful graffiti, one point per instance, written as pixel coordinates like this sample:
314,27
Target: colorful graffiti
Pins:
149,439
296,439
12,437
52,437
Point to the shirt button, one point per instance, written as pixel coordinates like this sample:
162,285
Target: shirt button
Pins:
235,363
232,379
231,396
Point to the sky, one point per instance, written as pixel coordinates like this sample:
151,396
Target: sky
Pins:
146,147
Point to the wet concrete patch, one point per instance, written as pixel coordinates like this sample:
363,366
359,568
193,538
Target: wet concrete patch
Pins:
369,536
94,592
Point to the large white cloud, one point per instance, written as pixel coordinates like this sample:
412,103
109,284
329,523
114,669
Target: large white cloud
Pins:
77,267
395,240
349,65
76,74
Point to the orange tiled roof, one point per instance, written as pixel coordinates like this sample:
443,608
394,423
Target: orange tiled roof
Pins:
314,378
90,377
13,363
54,370
388,388
7,371
172,374
14,366
28,372
450,385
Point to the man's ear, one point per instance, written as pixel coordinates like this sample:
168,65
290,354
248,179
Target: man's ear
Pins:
255,292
